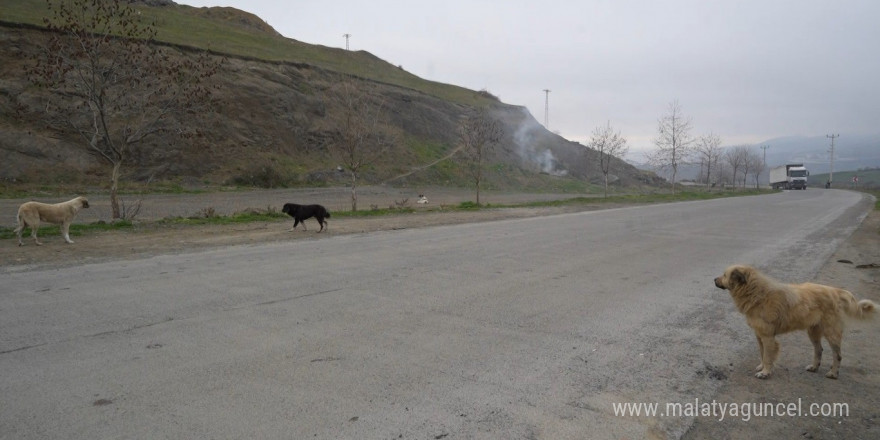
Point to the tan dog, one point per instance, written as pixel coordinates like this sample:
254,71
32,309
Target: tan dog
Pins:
30,214
773,308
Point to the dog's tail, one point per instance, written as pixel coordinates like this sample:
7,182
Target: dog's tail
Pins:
864,309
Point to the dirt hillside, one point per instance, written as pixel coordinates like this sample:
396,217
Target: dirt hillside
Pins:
270,125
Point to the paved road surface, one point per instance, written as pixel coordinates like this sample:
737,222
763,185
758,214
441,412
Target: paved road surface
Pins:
530,328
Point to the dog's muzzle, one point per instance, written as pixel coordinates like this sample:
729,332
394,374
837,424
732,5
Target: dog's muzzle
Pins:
718,283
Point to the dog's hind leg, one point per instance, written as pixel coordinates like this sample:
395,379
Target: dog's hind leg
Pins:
815,334
18,232
834,335
34,227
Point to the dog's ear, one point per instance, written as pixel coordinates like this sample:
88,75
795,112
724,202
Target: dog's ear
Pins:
738,276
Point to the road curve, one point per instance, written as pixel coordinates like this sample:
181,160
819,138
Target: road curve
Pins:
528,328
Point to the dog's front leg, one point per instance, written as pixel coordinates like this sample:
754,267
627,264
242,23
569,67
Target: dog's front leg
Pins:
65,231
768,358
760,366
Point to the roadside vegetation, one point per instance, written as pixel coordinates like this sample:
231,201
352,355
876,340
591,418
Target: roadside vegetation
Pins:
209,216
868,180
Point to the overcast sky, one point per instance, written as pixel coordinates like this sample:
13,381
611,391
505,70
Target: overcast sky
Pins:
747,70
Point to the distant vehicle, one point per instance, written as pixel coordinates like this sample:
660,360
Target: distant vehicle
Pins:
791,176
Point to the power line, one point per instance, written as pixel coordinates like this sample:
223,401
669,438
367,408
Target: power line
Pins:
347,36
831,173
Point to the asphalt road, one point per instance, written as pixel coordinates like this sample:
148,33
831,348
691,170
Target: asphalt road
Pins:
530,328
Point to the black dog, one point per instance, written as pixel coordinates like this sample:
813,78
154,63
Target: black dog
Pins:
301,212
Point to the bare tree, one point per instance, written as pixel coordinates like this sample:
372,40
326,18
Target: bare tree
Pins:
610,145
747,165
757,165
751,162
708,149
362,136
736,157
111,86
674,142
478,135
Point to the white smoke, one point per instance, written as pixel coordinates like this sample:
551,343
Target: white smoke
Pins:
524,138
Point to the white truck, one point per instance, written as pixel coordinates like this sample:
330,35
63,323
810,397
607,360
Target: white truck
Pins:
791,176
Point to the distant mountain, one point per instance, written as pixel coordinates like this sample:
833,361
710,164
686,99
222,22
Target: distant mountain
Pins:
851,152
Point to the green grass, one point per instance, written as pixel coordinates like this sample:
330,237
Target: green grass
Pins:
682,196
247,216
75,229
472,206
373,212
222,33
426,150
876,194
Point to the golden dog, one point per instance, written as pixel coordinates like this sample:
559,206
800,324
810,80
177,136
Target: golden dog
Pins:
773,308
30,214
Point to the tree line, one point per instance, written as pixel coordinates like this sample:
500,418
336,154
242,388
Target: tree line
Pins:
676,146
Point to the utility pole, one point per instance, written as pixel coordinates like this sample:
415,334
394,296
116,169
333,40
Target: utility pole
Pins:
765,147
831,173
347,36
547,109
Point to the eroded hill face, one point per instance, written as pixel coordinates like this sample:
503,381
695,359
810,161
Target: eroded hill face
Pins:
271,124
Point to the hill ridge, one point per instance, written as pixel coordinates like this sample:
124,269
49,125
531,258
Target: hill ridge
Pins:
267,127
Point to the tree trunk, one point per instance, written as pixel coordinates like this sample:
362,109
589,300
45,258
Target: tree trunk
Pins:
606,185
114,190
479,173
354,198
479,178
674,173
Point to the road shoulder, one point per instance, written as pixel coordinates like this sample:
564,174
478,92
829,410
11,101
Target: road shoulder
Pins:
857,391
